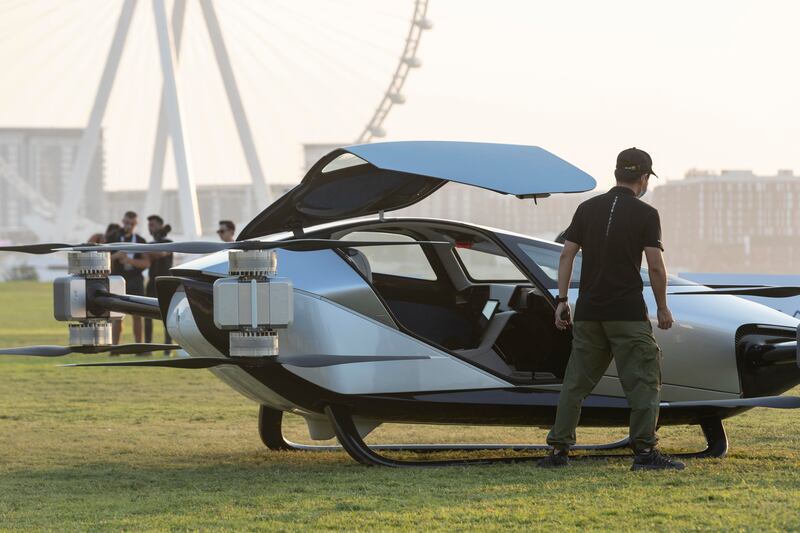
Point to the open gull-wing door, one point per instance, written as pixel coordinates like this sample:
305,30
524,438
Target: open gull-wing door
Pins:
366,179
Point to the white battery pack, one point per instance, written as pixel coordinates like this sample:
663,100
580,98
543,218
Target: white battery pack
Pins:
250,303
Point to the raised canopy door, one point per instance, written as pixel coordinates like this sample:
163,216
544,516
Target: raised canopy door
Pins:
369,178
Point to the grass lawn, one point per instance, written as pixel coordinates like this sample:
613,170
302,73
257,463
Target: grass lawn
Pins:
134,449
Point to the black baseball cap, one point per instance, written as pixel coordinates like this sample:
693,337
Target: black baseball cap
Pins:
633,161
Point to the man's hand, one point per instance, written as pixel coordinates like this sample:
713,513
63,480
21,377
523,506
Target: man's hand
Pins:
665,320
120,257
563,316
658,282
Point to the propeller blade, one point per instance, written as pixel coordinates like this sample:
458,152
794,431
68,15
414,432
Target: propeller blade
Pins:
128,349
307,361
766,292
40,351
180,362
38,249
775,402
208,247
58,351
191,247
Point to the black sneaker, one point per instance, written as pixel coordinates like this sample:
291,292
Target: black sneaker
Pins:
654,460
554,459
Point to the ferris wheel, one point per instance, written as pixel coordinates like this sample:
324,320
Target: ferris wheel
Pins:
268,76
408,61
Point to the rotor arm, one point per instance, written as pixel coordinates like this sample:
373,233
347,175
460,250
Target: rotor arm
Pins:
127,303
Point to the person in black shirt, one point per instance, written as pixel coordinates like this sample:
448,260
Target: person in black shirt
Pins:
611,318
160,263
130,267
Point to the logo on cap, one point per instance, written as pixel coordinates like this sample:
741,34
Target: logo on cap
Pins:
635,160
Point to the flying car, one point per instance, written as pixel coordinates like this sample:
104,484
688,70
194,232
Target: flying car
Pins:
327,308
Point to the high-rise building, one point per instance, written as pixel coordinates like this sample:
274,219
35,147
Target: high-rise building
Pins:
35,168
733,221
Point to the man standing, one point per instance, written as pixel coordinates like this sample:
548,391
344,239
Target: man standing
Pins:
130,267
226,231
160,263
611,318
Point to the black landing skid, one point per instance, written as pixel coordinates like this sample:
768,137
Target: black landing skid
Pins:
270,422
270,431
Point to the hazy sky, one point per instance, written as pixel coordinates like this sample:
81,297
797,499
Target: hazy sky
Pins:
709,84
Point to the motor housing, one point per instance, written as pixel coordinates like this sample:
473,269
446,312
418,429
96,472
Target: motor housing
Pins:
95,333
73,298
252,303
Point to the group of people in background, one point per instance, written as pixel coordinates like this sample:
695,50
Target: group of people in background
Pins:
131,266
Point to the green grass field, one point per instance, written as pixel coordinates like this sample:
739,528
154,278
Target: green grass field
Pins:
143,449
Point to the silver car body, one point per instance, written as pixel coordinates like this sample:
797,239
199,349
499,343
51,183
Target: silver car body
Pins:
341,314
338,312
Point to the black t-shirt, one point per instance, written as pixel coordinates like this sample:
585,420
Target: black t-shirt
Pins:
613,229
128,271
160,266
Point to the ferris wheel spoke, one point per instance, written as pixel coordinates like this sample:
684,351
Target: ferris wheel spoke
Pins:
306,70
327,63
43,10
357,45
408,60
330,61
40,53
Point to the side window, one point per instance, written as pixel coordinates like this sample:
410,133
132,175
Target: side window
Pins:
408,261
483,266
547,259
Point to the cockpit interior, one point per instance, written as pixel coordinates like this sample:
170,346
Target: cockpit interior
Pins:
470,299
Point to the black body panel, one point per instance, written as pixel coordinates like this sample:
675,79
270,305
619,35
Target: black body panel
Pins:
767,358
200,294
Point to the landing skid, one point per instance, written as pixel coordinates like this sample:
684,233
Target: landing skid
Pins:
270,431
270,422
716,441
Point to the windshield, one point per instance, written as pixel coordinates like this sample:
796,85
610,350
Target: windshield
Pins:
546,256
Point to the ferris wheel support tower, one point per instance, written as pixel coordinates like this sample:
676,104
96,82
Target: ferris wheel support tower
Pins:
170,119
65,223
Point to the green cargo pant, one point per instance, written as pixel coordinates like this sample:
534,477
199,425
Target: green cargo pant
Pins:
638,361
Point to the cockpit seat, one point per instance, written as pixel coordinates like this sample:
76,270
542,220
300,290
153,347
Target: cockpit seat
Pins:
484,354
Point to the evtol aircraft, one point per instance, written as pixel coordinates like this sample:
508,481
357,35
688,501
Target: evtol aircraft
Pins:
327,308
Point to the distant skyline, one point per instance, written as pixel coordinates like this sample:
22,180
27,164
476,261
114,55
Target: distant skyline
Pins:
710,84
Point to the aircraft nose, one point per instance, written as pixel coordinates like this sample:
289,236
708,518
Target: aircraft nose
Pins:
769,360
